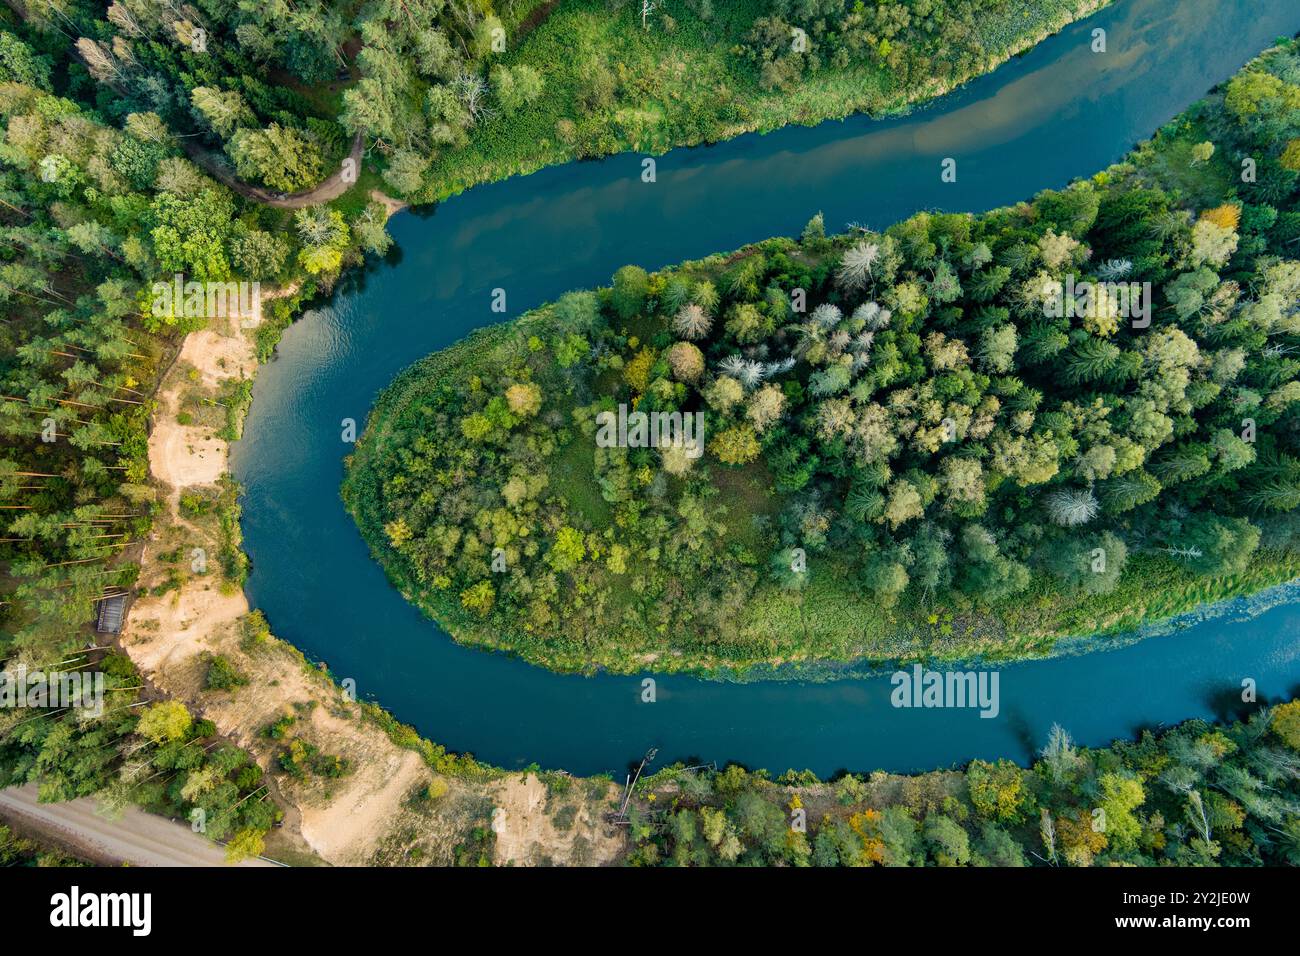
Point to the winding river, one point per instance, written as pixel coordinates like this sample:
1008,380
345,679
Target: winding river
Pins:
1058,112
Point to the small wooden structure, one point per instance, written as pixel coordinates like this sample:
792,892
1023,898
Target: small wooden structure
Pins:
111,613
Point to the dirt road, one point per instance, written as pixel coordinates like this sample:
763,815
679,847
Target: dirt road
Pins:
138,838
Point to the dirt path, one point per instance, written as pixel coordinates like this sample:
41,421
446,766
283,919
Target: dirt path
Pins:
332,187
138,838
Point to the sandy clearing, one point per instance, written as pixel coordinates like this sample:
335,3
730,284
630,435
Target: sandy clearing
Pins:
188,456
182,456
346,829
180,624
391,206
527,834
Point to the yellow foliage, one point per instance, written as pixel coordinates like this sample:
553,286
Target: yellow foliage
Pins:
1291,156
1079,840
1227,216
524,399
398,532
866,824
637,371
478,598
1286,723
737,445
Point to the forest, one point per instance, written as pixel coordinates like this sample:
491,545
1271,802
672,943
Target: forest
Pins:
136,139
95,205
1197,795
916,444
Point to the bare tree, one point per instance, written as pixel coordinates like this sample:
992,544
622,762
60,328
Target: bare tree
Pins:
1196,815
1059,753
473,93
1047,830
692,322
1071,507
857,265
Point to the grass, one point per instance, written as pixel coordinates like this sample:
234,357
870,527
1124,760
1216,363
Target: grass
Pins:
573,480
354,201
747,493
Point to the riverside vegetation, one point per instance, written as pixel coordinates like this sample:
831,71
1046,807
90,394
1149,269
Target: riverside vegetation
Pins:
914,446
90,213
1197,795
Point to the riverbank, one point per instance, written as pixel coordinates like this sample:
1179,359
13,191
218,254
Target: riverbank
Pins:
1144,802
201,511
336,363
402,799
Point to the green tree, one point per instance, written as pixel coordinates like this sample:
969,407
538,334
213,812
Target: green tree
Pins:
163,721
947,841
631,286
223,110
282,157
247,843
516,87
997,790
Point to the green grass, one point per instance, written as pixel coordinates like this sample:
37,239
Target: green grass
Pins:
355,200
747,493
837,623
572,479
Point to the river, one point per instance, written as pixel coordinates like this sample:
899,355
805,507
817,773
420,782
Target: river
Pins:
1058,112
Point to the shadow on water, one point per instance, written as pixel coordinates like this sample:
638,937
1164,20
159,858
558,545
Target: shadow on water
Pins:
1225,703
1056,113
1024,734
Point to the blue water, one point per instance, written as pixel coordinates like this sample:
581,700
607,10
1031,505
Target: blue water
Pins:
1059,112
